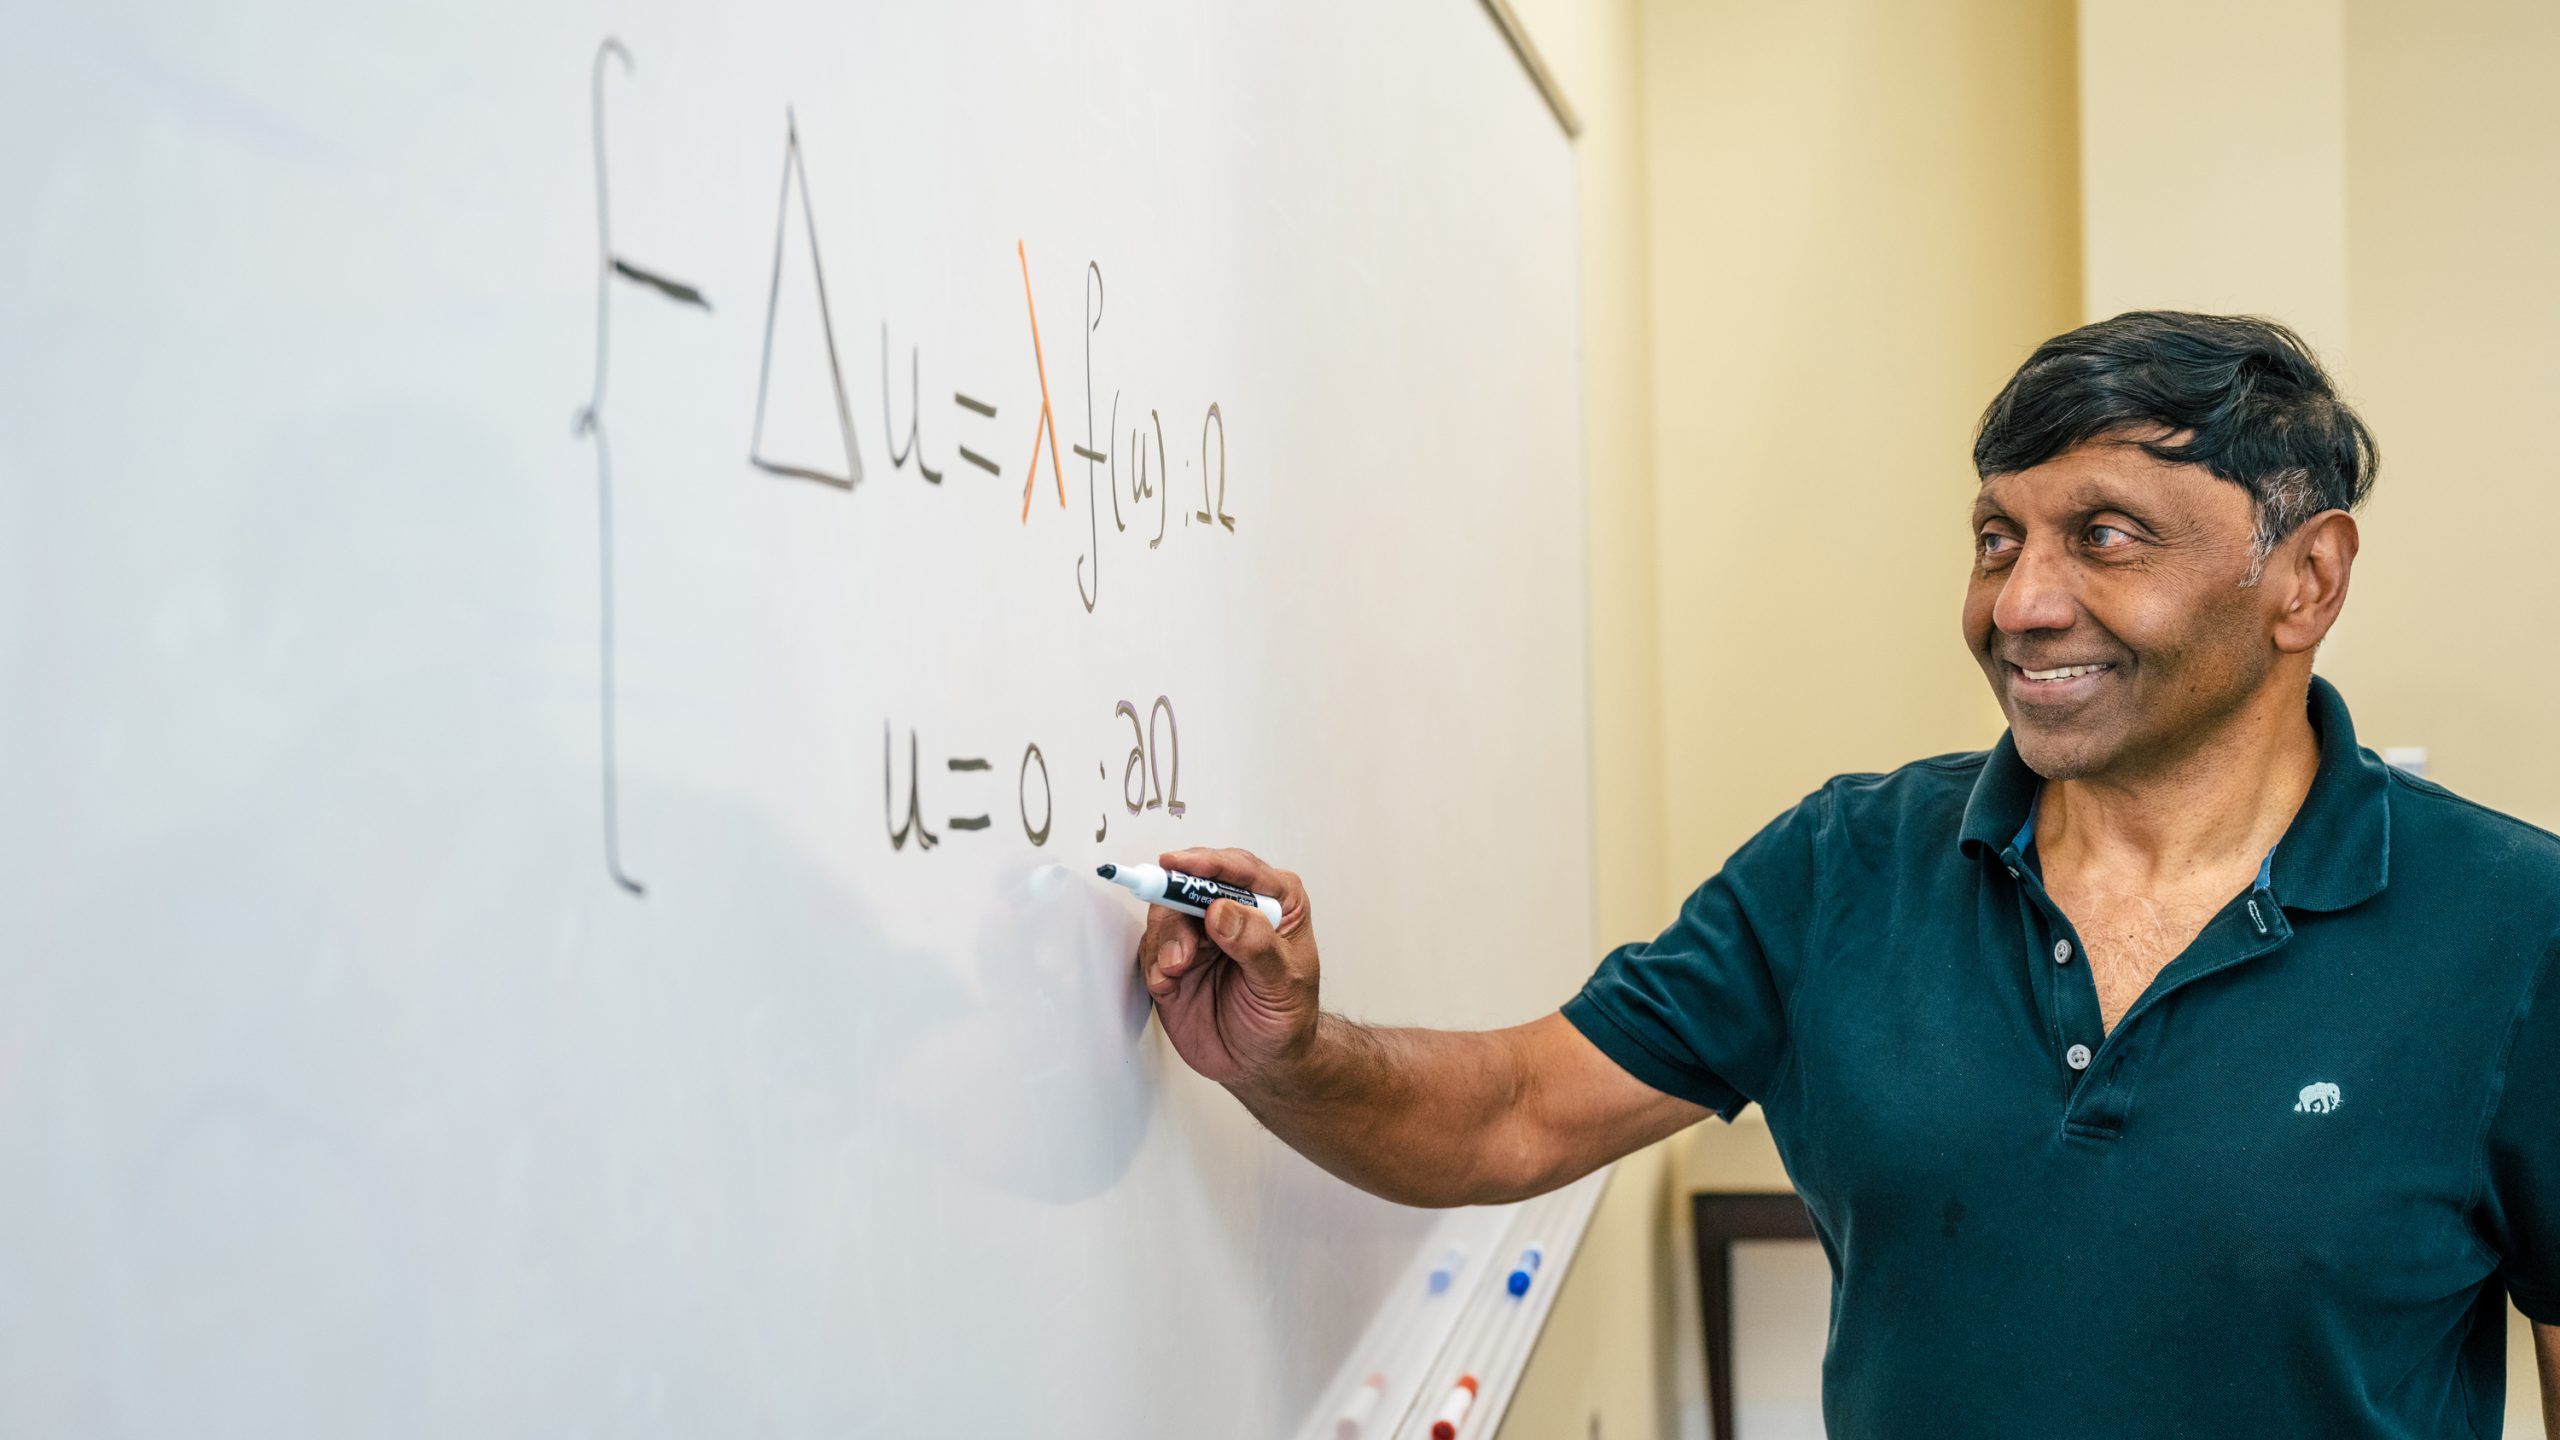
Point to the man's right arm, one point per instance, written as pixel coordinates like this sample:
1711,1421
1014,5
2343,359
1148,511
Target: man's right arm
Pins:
1423,1117
1438,1117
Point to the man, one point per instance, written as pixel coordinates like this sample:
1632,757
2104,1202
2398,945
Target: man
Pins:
2171,1068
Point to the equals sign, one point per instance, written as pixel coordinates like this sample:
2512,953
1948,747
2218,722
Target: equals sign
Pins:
968,822
971,402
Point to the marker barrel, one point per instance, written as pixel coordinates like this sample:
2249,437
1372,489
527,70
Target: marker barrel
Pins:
1357,1410
1190,894
1453,1411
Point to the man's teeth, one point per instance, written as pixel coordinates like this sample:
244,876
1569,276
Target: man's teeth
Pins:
2064,673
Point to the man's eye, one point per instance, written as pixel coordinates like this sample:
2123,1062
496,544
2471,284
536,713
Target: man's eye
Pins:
2097,534
1991,546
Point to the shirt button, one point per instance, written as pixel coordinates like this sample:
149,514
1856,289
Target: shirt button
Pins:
2061,952
2077,1057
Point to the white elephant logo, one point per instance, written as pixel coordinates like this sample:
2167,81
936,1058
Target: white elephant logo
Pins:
2317,1099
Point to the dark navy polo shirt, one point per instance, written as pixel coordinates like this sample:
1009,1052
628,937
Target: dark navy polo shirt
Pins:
2287,1195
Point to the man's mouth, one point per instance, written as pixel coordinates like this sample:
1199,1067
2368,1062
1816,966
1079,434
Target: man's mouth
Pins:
2056,687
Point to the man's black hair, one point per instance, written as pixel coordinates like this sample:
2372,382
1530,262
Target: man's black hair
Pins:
2256,408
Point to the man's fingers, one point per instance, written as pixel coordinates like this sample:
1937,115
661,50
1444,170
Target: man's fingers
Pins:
1243,867
1174,946
1168,925
1292,895
1236,867
1248,939
1167,949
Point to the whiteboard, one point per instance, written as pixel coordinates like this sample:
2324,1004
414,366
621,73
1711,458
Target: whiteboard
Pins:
343,1090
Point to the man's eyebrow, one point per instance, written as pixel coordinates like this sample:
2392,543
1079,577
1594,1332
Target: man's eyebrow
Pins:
2089,499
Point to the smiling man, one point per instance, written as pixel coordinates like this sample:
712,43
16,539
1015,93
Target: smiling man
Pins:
2171,1068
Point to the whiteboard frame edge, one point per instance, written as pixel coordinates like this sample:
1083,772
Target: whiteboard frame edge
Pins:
1508,21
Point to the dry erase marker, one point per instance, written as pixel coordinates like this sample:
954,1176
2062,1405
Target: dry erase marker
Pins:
1453,1411
1190,894
1362,1404
1445,1274
1526,1270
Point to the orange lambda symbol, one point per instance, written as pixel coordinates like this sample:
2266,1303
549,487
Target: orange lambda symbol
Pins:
1048,424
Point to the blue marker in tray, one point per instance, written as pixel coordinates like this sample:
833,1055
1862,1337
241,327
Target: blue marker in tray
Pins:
1526,1270
1445,1274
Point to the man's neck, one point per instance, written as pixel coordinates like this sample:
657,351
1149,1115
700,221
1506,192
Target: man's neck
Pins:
2218,806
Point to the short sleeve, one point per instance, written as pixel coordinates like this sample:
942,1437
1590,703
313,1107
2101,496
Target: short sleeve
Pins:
1699,1011
2524,1156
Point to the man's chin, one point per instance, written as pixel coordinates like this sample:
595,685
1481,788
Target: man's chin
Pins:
2060,756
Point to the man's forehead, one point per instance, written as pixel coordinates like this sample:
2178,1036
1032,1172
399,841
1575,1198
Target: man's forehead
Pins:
2097,475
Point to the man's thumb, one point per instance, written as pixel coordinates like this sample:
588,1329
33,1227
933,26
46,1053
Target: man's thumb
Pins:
1244,933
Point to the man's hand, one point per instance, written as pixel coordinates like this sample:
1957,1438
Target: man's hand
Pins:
1237,996
1422,1117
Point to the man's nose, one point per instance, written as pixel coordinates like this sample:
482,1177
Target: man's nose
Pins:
2038,593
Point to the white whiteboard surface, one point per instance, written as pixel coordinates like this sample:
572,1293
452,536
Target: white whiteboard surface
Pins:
341,1090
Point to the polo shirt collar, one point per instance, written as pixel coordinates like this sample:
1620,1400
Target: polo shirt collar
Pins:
2335,854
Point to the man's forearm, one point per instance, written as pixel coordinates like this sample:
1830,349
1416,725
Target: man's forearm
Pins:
1422,1117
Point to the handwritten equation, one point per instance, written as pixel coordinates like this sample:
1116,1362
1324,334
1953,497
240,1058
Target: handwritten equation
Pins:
1134,465
1151,779
1148,475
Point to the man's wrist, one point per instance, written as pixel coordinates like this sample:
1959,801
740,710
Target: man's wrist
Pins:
1302,1069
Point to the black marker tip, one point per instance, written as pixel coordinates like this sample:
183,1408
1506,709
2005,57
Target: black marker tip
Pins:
1107,871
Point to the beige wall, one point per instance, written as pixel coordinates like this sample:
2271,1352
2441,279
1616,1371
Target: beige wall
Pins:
2453,306
2224,87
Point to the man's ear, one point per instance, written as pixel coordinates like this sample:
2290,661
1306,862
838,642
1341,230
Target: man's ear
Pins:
2312,565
